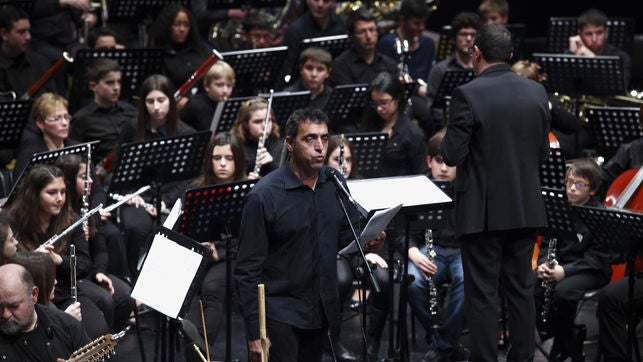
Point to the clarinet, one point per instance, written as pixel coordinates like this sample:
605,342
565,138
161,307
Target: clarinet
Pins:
402,49
342,161
262,139
72,272
85,199
549,286
433,292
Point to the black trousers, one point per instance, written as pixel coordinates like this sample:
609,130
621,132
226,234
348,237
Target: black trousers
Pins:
612,317
487,258
290,344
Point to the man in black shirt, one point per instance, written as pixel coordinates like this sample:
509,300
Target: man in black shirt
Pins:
290,229
362,62
30,332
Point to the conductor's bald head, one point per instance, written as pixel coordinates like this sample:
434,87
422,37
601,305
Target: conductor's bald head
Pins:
18,295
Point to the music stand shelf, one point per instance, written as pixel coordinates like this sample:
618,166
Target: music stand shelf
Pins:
13,117
370,147
613,126
450,81
345,104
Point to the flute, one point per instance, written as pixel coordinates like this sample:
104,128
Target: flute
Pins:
262,139
342,161
71,227
124,199
50,73
72,272
146,205
197,75
85,199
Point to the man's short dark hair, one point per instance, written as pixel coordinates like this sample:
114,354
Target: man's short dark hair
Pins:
465,19
100,67
414,9
96,33
316,54
255,20
312,115
593,17
494,41
10,15
361,14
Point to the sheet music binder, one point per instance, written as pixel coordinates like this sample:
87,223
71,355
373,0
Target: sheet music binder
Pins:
13,117
47,158
136,65
613,126
558,209
369,147
345,104
208,208
450,81
256,68
161,269
159,160
553,170
575,75
621,33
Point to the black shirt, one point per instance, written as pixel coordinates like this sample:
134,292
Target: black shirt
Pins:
289,241
350,68
57,335
20,73
317,102
93,123
198,112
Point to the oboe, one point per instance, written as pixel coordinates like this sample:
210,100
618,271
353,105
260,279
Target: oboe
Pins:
72,272
262,139
433,292
342,160
549,285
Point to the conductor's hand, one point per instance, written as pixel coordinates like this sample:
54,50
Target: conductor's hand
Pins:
422,262
254,347
376,244
104,281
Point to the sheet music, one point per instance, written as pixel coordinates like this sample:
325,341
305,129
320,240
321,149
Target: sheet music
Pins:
377,223
171,265
173,216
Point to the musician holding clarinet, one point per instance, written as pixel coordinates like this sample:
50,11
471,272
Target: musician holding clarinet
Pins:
291,226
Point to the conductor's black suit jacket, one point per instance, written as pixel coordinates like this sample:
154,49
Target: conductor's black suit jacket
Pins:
497,137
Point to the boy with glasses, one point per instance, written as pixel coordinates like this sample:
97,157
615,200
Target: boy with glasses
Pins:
581,265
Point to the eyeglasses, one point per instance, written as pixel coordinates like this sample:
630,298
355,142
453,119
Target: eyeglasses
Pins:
383,103
463,34
580,185
57,119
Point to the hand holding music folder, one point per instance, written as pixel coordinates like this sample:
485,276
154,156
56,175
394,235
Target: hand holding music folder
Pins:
375,225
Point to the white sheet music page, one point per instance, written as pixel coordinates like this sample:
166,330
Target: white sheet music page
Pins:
167,273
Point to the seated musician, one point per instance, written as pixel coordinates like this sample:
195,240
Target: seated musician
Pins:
248,128
446,267
581,265
628,155
103,38
464,28
105,116
31,332
591,39
218,84
494,11
314,70
362,62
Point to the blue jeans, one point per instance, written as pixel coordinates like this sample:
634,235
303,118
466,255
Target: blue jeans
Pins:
449,271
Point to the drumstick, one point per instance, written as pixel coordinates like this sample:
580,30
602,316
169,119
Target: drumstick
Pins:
262,322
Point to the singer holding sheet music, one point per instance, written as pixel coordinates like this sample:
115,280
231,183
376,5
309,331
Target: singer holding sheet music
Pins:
497,137
291,226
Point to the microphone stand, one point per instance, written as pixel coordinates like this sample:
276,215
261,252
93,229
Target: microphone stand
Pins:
369,271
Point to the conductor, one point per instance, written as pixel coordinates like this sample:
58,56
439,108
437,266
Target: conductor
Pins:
497,137
291,226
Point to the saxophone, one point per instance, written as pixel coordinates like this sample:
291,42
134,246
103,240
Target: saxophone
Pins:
549,286
433,292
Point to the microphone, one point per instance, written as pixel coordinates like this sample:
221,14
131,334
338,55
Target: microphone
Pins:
331,174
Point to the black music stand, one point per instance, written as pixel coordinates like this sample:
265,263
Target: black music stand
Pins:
135,10
613,126
136,65
518,32
576,75
433,219
47,158
446,45
345,106
369,147
553,170
212,213
284,103
26,5
621,231
156,162
561,28
13,117
255,69
179,264
450,81
334,44
225,114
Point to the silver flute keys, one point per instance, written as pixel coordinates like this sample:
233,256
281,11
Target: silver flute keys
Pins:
85,207
433,292
72,272
549,285
262,139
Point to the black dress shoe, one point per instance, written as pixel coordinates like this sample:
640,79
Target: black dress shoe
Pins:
343,354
